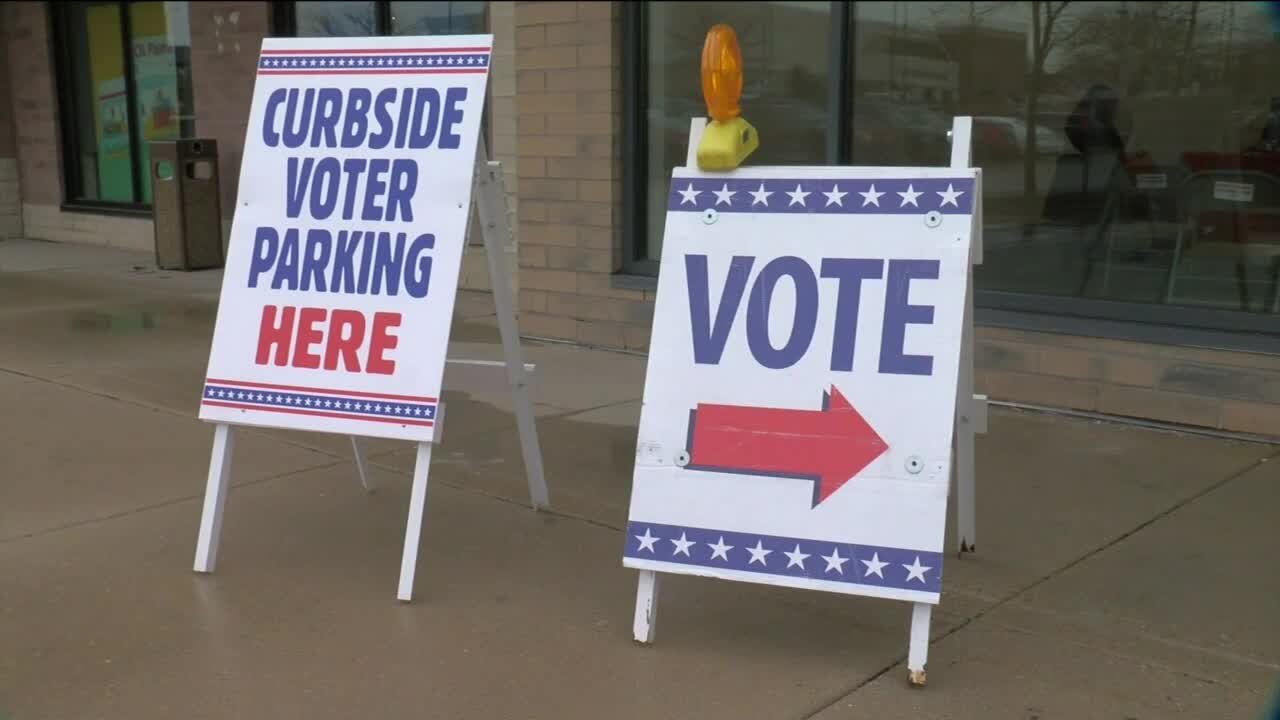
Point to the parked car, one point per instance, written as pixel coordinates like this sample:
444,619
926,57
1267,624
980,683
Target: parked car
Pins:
1006,138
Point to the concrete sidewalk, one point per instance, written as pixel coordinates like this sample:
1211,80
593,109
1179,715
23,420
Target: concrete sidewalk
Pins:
1121,572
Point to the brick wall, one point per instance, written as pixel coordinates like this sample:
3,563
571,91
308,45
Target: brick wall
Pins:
10,194
568,84
225,40
1208,388
502,134
35,116
38,147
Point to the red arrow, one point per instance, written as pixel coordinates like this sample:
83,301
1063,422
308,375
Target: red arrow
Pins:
829,446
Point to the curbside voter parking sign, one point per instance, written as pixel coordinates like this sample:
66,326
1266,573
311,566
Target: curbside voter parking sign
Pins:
354,196
800,396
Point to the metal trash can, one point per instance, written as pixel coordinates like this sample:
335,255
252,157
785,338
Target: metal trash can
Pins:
186,204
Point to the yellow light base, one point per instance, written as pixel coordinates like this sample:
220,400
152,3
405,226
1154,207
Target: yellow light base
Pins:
725,145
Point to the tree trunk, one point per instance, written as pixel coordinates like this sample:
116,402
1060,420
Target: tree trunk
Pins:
1032,103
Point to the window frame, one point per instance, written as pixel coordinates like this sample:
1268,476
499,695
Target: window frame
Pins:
1155,322
637,269
284,18
59,19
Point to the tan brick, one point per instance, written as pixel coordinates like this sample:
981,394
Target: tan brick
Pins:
582,80
1004,356
546,189
580,259
531,36
596,238
1028,337
534,13
548,234
531,81
599,102
595,214
600,333
604,191
1064,362
532,211
549,103
531,124
1037,389
1154,405
581,124
590,32
596,10
1133,370
580,168
539,325
533,301
548,146
532,167
1255,361
534,256
593,56
547,58
578,307
553,280
601,285
1257,418
636,337
604,148
632,312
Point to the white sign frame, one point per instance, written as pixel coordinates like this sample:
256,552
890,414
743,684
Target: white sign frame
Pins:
489,200
970,418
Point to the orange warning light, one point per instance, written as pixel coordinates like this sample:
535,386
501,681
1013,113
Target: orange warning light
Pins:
722,73
728,139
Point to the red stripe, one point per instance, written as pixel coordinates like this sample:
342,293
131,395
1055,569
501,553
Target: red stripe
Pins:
341,416
367,51
335,71
300,388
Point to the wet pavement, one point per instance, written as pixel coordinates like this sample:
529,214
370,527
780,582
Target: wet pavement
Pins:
1121,572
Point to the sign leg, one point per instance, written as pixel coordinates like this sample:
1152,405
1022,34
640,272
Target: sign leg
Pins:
646,620
362,467
918,650
215,498
491,204
967,420
413,530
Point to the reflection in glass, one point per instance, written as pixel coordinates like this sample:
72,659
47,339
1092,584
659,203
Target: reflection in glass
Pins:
1130,150
100,114
161,76
437,18
323,18
786,55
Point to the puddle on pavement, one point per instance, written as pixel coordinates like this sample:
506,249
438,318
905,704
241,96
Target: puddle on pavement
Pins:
117,322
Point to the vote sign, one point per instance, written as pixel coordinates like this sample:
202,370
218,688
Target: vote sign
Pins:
348,234
801,387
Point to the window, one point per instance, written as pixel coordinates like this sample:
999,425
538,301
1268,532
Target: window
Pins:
1131,150
322,18
787,48
124,76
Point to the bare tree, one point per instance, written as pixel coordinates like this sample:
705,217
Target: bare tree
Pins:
1048,30
329,26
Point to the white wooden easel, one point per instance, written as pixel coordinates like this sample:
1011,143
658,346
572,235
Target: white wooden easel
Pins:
490,202
971,418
